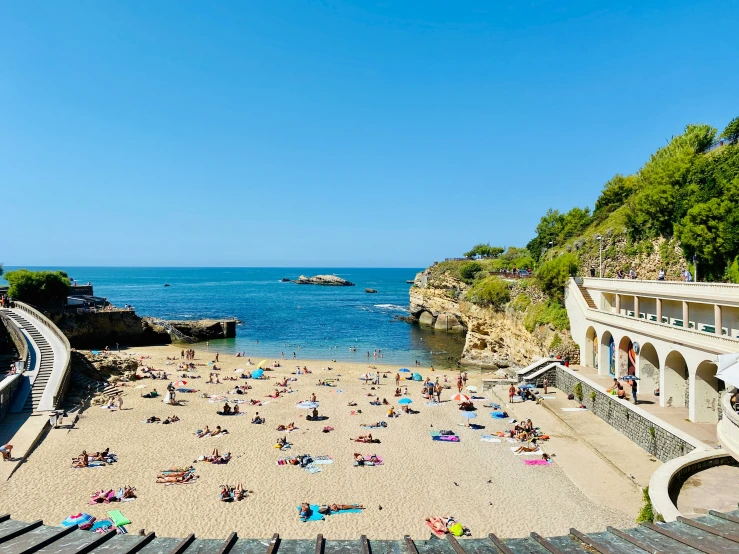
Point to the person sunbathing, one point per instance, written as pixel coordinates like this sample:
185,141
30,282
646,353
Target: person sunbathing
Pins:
366,438
170,419
184,478
225,494
239,493
398,393
219,431
358,458
385,402
257,419
288,427
281,441
253,402
99,456
351,404
466,406
305,510
236,409
524,448
438,524
226,409
204,433
152,419
128,492
374,459
391,412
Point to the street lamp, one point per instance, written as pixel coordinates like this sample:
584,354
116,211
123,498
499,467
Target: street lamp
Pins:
600,240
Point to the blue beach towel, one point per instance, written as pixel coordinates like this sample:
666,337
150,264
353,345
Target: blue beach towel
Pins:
498,415
314,515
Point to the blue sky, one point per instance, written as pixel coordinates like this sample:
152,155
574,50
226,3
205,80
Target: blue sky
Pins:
334,133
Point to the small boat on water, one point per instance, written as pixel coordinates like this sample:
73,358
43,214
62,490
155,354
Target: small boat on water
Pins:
410,281
284,280
166,284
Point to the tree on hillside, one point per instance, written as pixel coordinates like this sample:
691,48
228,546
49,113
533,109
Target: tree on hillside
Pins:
45,289
484,251
732,130
614,194
547,231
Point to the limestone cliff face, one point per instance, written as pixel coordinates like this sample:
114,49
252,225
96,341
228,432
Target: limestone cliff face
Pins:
98,330
493,338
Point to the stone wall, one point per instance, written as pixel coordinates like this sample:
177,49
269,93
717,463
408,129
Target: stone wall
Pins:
17,338
658,441
8,386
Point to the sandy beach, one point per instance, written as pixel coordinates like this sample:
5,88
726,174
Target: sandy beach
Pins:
483,484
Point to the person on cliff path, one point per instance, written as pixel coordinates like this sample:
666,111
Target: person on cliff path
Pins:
592,271
661,275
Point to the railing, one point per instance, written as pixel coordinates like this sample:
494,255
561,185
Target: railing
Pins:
170,329
680,335
19,339
728,426
66,362
719,144
726,294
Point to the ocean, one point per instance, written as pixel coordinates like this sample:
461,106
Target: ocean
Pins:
315,322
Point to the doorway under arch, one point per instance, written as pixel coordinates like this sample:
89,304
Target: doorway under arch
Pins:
607,355
648,367
673,391
707,393
626,357
591,348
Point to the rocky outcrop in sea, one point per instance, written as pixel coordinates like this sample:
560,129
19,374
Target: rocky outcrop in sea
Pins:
324,280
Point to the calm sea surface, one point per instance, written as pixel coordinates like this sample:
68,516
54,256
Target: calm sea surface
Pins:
313,321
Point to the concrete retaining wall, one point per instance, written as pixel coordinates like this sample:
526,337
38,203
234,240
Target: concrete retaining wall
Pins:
657,437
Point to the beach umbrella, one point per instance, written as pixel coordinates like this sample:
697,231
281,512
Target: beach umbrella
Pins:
728,369
404,370
405,400
308,405
257,374
260,364
179,384
459,397
472,388
629,378
468,416
82,520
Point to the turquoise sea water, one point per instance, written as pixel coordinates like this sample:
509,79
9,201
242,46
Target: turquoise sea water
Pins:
313,321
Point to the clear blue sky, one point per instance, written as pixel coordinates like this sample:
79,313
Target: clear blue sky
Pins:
386,133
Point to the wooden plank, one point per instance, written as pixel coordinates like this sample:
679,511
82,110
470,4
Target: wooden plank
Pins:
141,544
721,515
684,540
499,544
634,541
592,543
319,544
228,544
455,544
410,545
35,547
18,532
545,543
708,529
365,544
273,544
184,544
101,538
4,517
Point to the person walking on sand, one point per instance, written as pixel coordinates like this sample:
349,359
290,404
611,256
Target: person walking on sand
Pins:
464,378
207,344
511,392
216,357
459,384
119,401
397,380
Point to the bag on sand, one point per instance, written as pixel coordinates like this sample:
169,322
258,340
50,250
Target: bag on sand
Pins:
570,396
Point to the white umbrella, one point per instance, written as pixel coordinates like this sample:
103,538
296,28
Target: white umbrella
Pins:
472,388
728,369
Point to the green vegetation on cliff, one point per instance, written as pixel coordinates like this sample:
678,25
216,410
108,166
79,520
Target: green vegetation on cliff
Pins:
683,196
45,289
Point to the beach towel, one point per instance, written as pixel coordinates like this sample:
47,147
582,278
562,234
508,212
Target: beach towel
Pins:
437,436
432,404
118,518
499,415
478,397
490,438
310,468
548,397
537,462
102,526
537,452
323,460
574,409
492,405
314,515
349,511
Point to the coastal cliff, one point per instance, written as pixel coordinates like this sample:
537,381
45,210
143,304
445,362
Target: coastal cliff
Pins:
510,336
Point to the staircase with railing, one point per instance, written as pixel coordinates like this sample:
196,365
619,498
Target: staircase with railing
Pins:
171,329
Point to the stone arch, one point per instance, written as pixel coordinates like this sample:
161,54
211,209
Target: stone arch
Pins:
673,382
607,354
649,369
626,357
591,349
706,393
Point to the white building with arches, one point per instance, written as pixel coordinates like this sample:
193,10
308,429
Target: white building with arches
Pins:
666,333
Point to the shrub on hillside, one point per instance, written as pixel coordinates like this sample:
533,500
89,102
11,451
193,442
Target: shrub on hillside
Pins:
521,302
552,275
491,292
551,313
469,270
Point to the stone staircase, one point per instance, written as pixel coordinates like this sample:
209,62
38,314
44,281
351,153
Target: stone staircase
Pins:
586,296
45,366
173,331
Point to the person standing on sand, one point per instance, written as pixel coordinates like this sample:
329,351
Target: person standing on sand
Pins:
207,344
459,384
464,378
397,380
119,401
546,385
511,392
